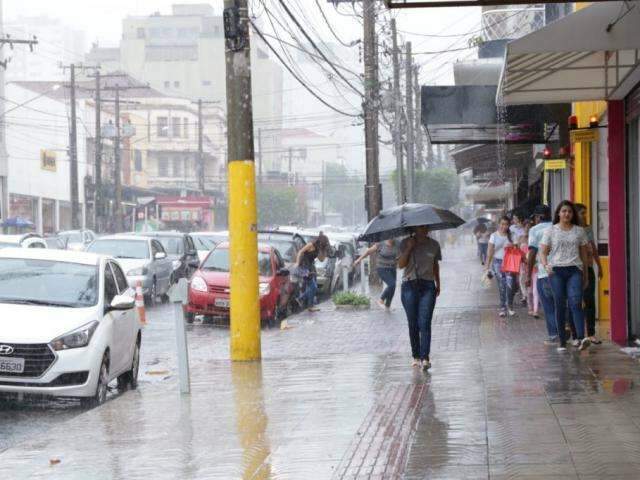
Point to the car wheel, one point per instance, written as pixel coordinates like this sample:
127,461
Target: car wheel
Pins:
130,379
101,388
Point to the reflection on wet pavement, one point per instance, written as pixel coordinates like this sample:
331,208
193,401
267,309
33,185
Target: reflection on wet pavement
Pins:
336,398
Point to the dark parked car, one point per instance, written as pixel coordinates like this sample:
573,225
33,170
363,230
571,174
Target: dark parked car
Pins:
287,243
180,249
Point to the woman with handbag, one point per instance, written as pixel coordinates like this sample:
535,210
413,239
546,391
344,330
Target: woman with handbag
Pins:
419,256
564,255
500,244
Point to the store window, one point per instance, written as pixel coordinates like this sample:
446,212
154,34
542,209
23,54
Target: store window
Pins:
163,166
24,206
176,131
137,160
65,215
185,124
48,215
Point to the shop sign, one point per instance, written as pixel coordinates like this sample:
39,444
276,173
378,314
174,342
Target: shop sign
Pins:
48,160
555,164
584,135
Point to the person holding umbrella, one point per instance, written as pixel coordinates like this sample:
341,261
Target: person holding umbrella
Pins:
419,256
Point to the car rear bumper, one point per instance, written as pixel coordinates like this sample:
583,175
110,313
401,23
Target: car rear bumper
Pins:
204,303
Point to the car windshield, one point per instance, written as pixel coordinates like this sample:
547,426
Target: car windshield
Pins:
204,243
121,248
46,282
72,237
287,248
172,245
218,261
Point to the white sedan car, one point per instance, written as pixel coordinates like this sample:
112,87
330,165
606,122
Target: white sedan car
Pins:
69,326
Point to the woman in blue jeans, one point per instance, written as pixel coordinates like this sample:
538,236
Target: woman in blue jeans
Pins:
419,256
386,267
564,255
506,281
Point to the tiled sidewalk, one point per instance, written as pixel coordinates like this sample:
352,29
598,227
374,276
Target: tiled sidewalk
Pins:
335,397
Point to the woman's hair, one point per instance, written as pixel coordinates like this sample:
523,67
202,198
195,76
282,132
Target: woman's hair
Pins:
508,220
566,203
322,242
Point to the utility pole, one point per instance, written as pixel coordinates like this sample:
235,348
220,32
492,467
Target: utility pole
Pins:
200,170
244,295
373,190
97,201
73,152
397,117
260,156
410,124
417,116
117,166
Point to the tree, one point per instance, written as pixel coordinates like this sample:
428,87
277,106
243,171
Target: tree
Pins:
439,186
343,193
279,205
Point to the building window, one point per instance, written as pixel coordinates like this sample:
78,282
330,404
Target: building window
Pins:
167,84
206,83
178,171
176,84
185,124
140,32
137,160
163,166
163,127
175,127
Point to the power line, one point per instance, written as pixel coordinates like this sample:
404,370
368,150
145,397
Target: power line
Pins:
257,30
313,44
326,20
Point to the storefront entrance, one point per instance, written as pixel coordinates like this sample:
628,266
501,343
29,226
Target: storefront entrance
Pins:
632,110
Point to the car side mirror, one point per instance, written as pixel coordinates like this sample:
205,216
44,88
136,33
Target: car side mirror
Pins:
160,255
283,272
122,302
192,252
194,263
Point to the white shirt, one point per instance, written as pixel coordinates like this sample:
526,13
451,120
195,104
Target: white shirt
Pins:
564,245
499,241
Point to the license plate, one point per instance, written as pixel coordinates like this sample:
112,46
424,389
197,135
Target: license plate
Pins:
11,365
222,303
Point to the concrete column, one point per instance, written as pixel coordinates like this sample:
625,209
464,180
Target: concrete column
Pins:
40,222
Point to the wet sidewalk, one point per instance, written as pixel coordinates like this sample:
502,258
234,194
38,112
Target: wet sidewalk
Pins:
335,397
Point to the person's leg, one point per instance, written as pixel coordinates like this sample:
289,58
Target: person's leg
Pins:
548,307
410,305
500,282
559,288
312,289
570,322
510,284
387,275
575,295
483,247
391,289
535,296
590,304
427,303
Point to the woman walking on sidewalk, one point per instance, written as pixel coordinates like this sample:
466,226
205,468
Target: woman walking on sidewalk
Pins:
564,256
529,291
419,256
386,267
498,242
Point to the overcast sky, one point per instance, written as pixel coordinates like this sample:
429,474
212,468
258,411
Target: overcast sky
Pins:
101,21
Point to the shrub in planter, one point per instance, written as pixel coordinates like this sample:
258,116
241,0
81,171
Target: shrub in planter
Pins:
351,300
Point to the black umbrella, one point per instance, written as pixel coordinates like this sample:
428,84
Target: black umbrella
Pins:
397,221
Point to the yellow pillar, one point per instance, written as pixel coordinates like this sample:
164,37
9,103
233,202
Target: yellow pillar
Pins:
243,260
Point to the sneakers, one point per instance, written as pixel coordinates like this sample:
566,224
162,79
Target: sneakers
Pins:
562,349
575,343
595,341
511,313
381,303
584,344
415,362
502,313
426,364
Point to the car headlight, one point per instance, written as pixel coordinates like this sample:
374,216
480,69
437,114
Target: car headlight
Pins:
265,289
176,264
80,337
135,272
198,284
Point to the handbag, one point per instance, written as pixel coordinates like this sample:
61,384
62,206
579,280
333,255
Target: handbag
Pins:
512,260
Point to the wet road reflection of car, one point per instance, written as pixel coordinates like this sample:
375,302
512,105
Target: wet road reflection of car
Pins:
69,327
209,291
143,259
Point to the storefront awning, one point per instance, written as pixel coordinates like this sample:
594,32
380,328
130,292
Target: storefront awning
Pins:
592,54
483,159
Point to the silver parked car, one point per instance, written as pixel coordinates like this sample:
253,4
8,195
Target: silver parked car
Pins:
77,239
143,260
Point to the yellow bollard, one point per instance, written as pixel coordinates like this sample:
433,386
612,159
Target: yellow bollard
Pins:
244,296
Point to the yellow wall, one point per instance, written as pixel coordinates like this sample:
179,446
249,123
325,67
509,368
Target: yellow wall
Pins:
582,190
